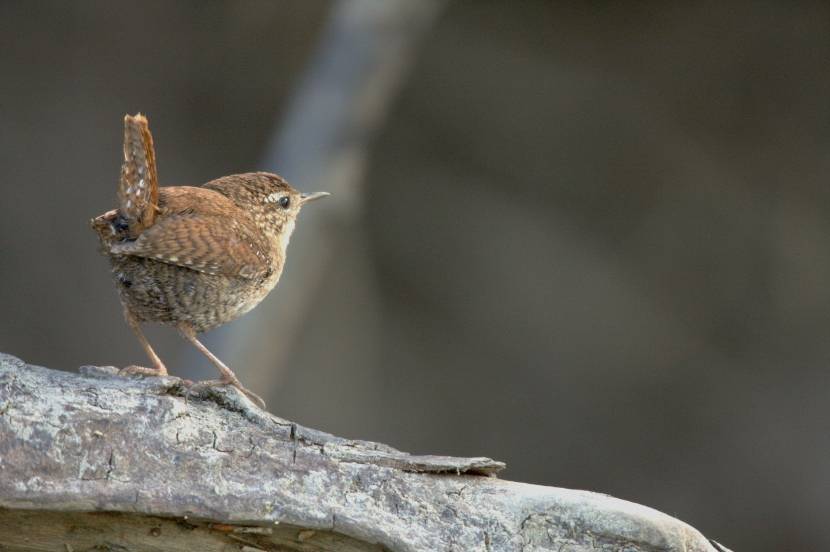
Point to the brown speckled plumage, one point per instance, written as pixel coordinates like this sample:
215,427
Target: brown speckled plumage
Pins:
194,257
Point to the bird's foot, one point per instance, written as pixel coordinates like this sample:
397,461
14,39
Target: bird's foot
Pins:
256,399
143,371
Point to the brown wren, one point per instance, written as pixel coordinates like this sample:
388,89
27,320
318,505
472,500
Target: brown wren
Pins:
194,257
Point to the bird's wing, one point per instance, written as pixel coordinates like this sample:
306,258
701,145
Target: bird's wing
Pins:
206,243
138,189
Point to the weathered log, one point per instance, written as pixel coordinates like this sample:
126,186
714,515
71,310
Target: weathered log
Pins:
94,461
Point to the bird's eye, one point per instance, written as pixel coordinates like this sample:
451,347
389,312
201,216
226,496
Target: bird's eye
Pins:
285,201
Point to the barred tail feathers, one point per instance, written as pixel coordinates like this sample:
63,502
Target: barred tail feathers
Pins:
138,187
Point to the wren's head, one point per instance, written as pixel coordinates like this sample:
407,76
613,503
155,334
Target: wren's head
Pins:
271,201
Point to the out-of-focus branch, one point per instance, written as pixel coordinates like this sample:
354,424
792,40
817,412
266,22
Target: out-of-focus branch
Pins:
323,144
100,462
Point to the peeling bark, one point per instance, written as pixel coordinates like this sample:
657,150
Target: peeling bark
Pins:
94,461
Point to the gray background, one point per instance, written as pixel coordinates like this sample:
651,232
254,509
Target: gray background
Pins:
599,235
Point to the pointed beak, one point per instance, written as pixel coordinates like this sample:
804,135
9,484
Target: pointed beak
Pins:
305,198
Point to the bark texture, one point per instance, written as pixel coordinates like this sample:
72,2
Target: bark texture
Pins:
94,461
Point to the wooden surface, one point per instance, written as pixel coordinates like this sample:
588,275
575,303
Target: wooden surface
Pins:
94,461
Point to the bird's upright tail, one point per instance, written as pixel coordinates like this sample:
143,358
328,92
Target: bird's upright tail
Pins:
138,189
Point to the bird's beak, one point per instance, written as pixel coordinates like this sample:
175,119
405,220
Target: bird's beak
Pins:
305,198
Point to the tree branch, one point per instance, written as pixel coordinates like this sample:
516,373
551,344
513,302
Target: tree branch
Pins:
96,461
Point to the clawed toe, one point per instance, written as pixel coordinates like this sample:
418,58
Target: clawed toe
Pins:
256,399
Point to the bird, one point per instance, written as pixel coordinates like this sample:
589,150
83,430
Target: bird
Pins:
194,257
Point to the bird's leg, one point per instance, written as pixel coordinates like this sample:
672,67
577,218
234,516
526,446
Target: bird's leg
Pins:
228,377
158,369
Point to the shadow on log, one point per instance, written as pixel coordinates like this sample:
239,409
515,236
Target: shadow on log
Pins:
94,461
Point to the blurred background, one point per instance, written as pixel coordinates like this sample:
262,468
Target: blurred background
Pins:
589,239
